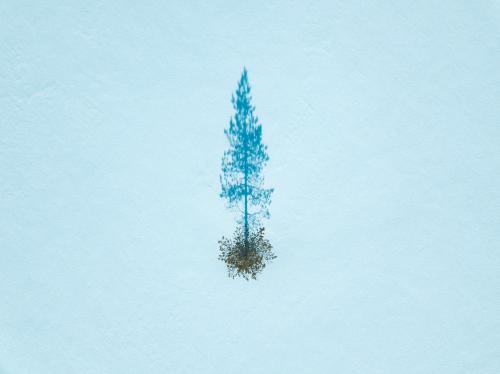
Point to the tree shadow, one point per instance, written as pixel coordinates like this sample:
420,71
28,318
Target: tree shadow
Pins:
246,258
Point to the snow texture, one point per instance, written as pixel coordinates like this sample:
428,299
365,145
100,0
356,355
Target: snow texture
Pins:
382,120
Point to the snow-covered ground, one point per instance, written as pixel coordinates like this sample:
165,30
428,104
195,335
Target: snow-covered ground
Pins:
383,126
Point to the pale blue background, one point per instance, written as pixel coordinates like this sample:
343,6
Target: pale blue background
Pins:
383,126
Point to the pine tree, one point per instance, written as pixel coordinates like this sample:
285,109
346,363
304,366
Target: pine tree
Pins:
241,179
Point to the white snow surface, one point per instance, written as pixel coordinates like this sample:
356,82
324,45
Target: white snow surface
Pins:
382,120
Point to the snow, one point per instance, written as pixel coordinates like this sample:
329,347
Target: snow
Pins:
382,122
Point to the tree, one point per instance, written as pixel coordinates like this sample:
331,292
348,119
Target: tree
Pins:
254,262
241,179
